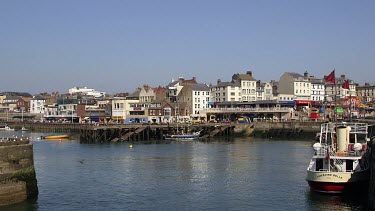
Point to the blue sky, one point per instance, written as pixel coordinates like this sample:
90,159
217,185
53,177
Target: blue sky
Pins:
116,46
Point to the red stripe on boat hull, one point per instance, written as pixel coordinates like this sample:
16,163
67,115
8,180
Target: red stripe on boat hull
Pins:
330,187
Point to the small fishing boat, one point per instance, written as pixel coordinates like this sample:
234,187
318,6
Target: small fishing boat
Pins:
24,129
182,136
56,137
7,128
341,160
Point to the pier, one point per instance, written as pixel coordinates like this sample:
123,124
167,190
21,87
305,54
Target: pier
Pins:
93,133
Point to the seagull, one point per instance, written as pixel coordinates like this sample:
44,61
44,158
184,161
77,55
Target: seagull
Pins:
81,161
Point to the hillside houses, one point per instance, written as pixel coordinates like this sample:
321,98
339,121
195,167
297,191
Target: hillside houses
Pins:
184,99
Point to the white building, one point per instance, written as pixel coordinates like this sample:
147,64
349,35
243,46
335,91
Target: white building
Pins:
295,84
37,105
196,97
264,91
341,93
248,86
121,108
317,90
86,91
174,88
225,91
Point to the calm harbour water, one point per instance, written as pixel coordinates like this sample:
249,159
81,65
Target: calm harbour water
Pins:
242,174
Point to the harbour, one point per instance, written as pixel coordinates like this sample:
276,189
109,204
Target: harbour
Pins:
241,173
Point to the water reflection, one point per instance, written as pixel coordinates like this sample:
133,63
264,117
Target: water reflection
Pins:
321,201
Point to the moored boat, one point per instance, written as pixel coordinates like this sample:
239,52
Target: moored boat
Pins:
182,136
56,137
340,162
7,128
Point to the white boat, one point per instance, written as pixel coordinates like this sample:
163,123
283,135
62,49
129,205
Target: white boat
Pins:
7,128
182,136
24,129
341,160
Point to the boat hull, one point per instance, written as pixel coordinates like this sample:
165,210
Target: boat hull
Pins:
331,187
181,137
57,137
337,182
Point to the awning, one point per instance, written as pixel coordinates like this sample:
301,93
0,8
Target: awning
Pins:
303,102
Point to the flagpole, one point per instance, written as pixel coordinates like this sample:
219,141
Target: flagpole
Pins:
350,104
335,109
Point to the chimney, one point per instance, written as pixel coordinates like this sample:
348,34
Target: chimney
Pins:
194,78
306,74
218,81
180,80
343,76
250,73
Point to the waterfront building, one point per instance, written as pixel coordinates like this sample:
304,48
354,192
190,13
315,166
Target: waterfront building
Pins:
174,88
67,112
285,97
23,104
121,108
264,90
248,86
196,98
160,112
37,105
51,111
366,93
341,93
9,103
86,91
8,100
317,90
256,110
295,84
149,94
225,91
92,113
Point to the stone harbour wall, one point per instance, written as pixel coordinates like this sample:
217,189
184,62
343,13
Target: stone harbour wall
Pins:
17,174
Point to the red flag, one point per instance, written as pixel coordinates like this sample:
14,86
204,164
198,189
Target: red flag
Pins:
346,85
330,77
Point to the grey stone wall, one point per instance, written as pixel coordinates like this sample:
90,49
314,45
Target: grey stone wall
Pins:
17,174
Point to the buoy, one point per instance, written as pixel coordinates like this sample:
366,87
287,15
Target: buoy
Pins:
130,146
59,140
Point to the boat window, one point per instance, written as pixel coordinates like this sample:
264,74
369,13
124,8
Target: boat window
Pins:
349,165
361,138
319,164
352,138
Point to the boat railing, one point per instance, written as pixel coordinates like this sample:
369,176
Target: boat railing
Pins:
322,152
355,127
